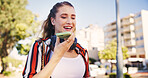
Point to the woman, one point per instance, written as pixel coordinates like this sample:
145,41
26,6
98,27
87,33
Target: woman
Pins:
59,61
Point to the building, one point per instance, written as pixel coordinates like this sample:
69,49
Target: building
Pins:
133,34
91,38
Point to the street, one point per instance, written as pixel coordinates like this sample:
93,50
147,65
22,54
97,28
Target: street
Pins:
140,74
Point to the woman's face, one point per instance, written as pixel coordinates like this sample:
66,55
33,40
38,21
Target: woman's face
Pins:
65,20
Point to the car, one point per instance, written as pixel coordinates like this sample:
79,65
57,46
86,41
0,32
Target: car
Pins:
93,70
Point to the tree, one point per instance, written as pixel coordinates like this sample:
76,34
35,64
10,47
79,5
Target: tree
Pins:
23,49
16,23
110,51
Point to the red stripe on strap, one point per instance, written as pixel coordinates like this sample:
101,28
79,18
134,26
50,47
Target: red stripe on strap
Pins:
46,55
33,61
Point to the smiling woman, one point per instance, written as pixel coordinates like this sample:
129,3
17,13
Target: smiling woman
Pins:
64,20
45,60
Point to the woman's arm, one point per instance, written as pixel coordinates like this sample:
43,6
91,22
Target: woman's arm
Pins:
59,50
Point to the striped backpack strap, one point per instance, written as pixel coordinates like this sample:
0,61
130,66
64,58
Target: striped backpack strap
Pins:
41,40
84,53
82,50
43,53
44,60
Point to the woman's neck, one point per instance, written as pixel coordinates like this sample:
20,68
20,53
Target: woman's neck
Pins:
70,54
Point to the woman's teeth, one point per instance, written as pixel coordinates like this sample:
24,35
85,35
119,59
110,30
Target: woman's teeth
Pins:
67,27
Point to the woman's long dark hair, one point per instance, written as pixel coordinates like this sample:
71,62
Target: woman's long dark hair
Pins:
48,28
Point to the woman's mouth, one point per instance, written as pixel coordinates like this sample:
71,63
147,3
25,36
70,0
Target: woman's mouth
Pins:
68,28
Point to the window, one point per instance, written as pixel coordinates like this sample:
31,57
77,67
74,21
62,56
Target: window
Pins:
138,31
139,15
138,23
95,48
139,38
140,46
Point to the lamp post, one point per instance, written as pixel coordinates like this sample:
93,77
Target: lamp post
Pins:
119,56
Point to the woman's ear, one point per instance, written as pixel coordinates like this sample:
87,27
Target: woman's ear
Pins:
52,20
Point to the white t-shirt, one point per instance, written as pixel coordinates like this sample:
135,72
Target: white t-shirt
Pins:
69,68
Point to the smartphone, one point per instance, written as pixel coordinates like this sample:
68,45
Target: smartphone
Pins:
63,35
53,41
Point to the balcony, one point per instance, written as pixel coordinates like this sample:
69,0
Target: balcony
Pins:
127,22
130,43
129,28
132,50
110,34
126,29
138,34
140,50
122,30
138,27
139,42
110,28
127,36
131,35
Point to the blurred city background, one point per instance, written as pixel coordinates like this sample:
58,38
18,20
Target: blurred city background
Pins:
20,25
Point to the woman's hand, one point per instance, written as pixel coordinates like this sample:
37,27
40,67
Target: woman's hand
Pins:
61,48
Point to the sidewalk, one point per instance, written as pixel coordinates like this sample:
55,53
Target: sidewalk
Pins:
139,74
102,76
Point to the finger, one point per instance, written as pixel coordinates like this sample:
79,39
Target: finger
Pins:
67,43
57,41
71,38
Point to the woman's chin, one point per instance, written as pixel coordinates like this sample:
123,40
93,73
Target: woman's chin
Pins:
69,31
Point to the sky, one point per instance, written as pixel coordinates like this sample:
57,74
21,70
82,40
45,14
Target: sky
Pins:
100,12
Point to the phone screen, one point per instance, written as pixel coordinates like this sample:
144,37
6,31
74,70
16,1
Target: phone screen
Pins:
53,41
63,35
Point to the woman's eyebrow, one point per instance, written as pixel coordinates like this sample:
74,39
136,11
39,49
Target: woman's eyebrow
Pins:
73,15
64,14
67,14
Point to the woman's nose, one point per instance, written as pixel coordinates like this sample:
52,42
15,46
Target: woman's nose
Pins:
69,20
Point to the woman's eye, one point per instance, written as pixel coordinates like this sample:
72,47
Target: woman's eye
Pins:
73,18
63,17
